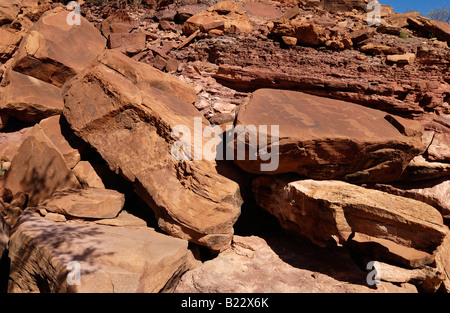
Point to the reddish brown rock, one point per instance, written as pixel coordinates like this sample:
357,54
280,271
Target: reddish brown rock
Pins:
44,253
91,202
226,13
129,43
4,235
38,169
30,99
439,149
11,142
325,138
434,192
421,169
400,19
9,9
118,22
306,34
9,43
438,28
280,265
55,51
87,175
335,6
405,231
54,129
443,264
190,199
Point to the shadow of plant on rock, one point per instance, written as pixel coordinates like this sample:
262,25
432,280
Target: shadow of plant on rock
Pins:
40,251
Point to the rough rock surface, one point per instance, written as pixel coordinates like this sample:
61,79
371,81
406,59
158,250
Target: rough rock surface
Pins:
324,138
225,15
55,51
86,203
38,169
30,99
41,252
190,199
434,192
279,265
320,210
4,235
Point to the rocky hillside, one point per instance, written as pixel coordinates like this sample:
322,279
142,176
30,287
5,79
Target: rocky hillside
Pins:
223,146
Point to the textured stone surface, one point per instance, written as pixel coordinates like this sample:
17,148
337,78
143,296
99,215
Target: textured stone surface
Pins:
38,169
190,199
96,203
435,192
325,138
30,99
227,15
40,252
55,51
279,265
320,210
56,131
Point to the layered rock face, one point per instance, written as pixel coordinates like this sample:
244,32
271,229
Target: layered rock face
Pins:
324,138
114,110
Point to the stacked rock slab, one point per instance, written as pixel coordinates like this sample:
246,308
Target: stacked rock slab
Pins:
324,138
49,256
126,111
377,224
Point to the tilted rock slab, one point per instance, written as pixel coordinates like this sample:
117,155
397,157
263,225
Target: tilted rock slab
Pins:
38,169
126,111
55,51
324,138
404,230
110,259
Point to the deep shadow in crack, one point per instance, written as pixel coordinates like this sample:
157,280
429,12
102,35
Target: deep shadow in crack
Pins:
333,261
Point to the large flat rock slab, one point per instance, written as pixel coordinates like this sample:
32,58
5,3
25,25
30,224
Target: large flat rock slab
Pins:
321,210
110,259
130,126
54,51
325,138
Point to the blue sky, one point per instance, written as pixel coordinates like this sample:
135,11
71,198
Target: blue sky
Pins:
423,6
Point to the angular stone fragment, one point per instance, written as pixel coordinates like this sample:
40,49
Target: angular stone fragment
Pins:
320,210
435,192
30,99
226,13
96,203
45,256
38,169
324,138
280,265
54,129
135,111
